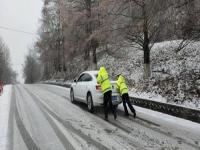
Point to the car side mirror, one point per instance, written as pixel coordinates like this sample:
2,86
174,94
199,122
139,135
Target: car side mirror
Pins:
75,80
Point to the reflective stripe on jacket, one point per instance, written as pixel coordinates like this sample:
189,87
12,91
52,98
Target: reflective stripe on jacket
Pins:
121,85
103,80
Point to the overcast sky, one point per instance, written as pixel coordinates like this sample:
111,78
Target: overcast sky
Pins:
21,15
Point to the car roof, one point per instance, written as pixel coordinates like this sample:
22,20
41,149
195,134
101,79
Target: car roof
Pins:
93,72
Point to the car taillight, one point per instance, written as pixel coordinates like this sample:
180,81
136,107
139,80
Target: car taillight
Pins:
98,87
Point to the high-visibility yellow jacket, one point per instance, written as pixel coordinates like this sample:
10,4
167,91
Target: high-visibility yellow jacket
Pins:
121,85
103,80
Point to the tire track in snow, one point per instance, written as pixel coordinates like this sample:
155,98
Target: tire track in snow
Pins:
118,125
59,134
29,142
11,121
50,90
145,123
67,124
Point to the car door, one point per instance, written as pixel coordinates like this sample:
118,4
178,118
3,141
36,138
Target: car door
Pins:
77,86
87,78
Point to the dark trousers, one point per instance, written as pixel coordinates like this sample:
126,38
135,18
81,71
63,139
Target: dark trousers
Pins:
126,100
107,98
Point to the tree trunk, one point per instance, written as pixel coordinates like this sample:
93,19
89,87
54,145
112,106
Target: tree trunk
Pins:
88,32
94,59
94,46
87,56
146,49
147,68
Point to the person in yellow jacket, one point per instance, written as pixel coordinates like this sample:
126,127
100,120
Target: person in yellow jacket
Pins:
106,88
123,89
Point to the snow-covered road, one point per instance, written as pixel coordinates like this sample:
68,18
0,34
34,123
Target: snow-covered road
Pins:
41,117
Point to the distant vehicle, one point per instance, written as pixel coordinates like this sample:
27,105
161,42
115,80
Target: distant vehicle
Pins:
85,89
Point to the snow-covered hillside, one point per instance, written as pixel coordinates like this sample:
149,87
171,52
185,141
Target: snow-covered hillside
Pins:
175,76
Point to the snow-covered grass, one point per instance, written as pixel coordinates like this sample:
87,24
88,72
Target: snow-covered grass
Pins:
175,75
4,114
149,96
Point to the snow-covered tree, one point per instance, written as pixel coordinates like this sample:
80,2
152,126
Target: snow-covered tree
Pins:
7,75
31,70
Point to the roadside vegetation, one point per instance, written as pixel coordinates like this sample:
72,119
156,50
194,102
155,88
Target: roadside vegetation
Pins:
153,42
7,75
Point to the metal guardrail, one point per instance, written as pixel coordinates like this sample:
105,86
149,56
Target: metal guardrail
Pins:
67,85
174,110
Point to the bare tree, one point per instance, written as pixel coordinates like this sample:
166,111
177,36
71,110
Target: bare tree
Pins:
7,75
189,24
139,21
73,28
31,68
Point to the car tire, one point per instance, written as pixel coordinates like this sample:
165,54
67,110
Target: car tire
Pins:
90,105
72,96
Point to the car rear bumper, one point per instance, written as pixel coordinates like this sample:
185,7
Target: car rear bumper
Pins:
98,99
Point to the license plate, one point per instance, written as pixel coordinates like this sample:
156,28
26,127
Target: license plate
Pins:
114,98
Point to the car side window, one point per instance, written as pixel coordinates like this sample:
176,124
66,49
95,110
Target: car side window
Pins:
87,77
80,79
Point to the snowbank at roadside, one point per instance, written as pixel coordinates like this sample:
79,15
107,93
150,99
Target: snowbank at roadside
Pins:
4,115
175,75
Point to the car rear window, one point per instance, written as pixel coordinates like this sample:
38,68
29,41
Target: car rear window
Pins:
110,77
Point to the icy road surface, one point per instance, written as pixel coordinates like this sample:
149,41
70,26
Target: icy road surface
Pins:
41,117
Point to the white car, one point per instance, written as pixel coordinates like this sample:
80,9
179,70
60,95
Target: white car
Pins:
85,89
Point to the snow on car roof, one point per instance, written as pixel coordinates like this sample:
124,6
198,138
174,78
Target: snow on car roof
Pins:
91,72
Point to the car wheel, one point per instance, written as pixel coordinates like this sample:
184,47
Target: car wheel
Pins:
90,103
72,96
